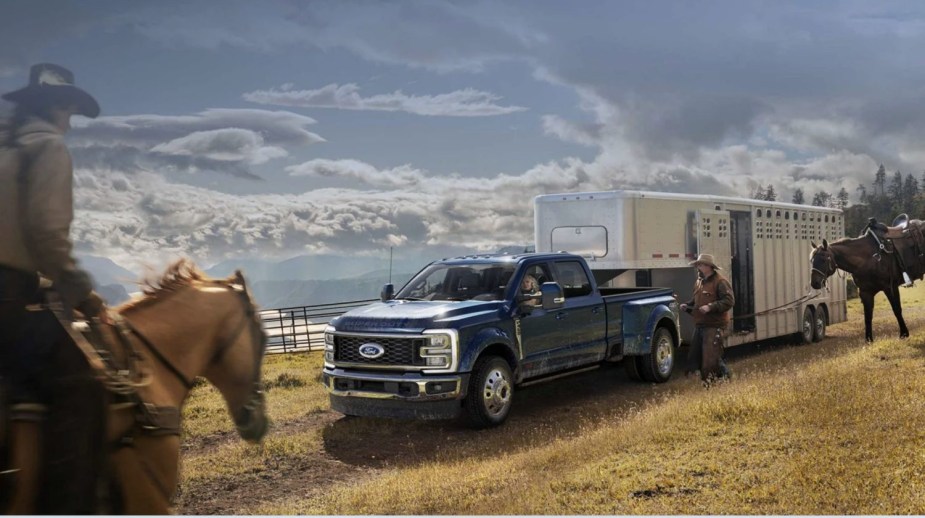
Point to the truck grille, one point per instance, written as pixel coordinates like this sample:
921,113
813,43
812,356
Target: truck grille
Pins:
398,351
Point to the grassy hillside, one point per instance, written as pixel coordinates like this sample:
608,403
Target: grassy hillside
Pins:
840,433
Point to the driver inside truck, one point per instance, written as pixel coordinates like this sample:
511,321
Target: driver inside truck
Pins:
529,286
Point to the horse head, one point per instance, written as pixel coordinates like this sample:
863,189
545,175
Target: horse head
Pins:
236,364
823,264
194,326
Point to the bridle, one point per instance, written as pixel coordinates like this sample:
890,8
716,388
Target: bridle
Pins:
829,263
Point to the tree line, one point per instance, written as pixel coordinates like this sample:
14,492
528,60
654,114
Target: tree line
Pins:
883,199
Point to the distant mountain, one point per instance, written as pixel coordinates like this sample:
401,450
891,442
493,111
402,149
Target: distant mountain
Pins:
306,267
300,281
292,293
105,272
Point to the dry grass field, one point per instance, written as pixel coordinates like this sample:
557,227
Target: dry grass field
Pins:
829,428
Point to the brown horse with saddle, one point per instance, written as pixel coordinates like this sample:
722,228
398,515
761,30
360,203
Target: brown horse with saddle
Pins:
185,326
881,259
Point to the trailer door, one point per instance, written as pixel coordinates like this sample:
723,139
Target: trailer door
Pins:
713,236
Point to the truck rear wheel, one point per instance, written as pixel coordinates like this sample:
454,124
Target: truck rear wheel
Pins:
658,364
491,392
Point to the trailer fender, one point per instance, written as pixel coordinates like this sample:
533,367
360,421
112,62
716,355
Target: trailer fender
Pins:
640,321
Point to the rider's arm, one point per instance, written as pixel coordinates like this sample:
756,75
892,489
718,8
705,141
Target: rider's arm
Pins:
48,215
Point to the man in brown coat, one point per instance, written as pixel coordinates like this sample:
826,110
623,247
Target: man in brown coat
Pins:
710,304
56,406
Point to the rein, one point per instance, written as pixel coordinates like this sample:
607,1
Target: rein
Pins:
800,300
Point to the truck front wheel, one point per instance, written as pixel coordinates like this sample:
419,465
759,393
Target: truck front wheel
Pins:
491,392
658,364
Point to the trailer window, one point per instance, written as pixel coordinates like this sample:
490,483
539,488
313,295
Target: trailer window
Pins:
587,241
571,276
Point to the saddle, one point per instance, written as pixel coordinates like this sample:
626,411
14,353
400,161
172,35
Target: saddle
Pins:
905,240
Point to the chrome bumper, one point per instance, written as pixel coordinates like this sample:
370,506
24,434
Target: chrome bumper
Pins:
401,387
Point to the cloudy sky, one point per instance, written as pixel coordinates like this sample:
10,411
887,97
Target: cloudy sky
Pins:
238,129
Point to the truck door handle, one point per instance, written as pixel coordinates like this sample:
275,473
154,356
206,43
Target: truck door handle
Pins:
596,310
560,315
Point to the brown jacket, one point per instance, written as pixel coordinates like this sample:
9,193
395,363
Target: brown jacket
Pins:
36,213
716,292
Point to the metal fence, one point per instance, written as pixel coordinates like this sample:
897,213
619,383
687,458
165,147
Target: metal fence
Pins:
302,328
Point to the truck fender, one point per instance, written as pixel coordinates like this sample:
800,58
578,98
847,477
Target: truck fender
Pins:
490,337
638,335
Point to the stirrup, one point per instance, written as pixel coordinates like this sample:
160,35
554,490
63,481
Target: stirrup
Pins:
908,281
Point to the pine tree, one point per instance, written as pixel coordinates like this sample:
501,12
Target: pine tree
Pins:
896,191
841,199
821,199
770,194
910,192
880,181
798,196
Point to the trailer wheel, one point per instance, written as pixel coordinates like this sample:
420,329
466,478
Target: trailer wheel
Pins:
658,364
821,323
491,392
807,326
631,365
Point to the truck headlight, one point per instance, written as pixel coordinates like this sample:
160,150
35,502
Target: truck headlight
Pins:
329,344
439,349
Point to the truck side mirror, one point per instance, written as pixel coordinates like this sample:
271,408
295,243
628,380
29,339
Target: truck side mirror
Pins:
553,296
387,293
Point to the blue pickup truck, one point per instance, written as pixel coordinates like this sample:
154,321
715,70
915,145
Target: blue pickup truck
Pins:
462,334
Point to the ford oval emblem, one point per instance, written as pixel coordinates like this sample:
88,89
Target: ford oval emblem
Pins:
371,350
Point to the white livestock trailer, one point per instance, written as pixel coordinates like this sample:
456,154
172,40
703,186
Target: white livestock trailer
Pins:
634,238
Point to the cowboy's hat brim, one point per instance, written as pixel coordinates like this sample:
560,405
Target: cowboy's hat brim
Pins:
714,266
85,103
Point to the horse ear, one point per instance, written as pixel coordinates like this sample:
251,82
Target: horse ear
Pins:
812,244
825,244
239,281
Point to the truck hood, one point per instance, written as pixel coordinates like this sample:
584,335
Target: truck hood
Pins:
406,316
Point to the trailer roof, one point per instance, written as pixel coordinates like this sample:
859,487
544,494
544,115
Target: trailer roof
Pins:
544,198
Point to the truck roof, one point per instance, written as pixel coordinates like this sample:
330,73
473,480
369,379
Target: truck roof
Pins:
503,258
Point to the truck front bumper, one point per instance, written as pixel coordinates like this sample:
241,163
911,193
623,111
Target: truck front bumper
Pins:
406,396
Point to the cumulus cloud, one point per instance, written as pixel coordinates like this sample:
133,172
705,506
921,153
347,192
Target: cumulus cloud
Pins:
460,103
398,177
222,140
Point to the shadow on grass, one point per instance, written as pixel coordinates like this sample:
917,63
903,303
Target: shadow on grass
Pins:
544,413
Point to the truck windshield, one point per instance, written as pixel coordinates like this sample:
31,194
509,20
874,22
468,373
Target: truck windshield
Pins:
459,282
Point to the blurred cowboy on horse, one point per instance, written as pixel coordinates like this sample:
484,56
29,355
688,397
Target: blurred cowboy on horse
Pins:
54,406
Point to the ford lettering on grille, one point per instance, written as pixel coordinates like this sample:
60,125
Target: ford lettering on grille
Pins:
371,350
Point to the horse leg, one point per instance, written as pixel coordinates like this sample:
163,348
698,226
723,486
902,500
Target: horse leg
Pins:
893,296
867,299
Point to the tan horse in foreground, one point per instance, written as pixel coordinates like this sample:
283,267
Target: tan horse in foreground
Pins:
187,325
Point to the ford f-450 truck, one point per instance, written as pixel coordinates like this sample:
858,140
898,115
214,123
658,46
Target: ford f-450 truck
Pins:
461,335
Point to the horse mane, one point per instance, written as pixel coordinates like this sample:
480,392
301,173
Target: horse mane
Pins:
180,274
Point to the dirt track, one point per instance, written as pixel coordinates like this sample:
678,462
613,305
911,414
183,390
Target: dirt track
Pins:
356,448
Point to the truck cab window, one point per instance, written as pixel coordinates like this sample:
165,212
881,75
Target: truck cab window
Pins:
573,279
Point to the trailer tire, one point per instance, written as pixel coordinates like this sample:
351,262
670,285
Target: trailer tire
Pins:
631,365
656,366
491,392
821,321
807,325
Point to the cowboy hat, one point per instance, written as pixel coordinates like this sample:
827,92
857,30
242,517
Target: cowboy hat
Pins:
49,82
706,259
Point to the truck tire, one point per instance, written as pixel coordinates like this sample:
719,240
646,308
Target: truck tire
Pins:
807,324
491,392
658,364
820,324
